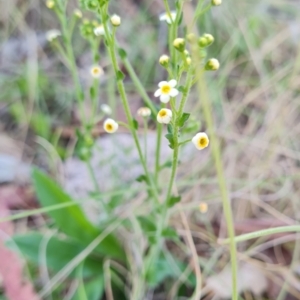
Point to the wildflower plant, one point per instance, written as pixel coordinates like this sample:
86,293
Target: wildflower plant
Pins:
185,63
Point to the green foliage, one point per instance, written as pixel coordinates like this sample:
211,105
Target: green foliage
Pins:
184,117
120,75
135,124
173,200
76,225
170,138
94,289
59,252
122,53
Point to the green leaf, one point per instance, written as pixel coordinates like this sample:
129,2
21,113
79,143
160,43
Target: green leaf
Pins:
141,178
72,220
146,224
122,53
182,89
135,124
59,252
170,128
184,117
92,92
170,233
120,75
173,200
170,138
94,289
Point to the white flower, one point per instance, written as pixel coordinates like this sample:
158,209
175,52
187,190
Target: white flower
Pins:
105,109
110,126
96,71
52,34
115,20
144,112
164,116
166,90
216,2
99,30
169,18
200,140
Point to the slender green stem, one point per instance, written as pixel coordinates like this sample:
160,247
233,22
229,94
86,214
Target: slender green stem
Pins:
67,35
157,152
96,184
202,89
264,232
164,213
139,86
121,89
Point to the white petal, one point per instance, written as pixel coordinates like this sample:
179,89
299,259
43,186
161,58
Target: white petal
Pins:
162,17
173,93
172,83
157,93
164,98
168,20
166,119
162,83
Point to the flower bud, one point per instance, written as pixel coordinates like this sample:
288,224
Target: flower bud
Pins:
77,13
50,4
115,20
212,65
216,2
188,60
191,38
144,112
205,40
164,60
179,44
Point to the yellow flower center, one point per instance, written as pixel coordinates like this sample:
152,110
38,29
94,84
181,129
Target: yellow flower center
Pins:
109,127
96,71
165,89
162,113
203,142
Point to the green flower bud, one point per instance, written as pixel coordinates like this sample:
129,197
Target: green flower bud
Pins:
191,38
212,65
164,60
179,44
205,40
84,154
216,2
115,20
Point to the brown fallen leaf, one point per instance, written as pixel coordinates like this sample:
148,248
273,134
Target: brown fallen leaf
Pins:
250,278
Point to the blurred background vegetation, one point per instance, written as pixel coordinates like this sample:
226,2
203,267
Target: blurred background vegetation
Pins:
255,98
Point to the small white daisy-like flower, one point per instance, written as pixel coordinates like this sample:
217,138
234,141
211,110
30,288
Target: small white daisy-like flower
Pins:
169,18
200,140
115,20
105,109
96,71
144,112
110,125
99,30
51,35
166,90
203,207
164,116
